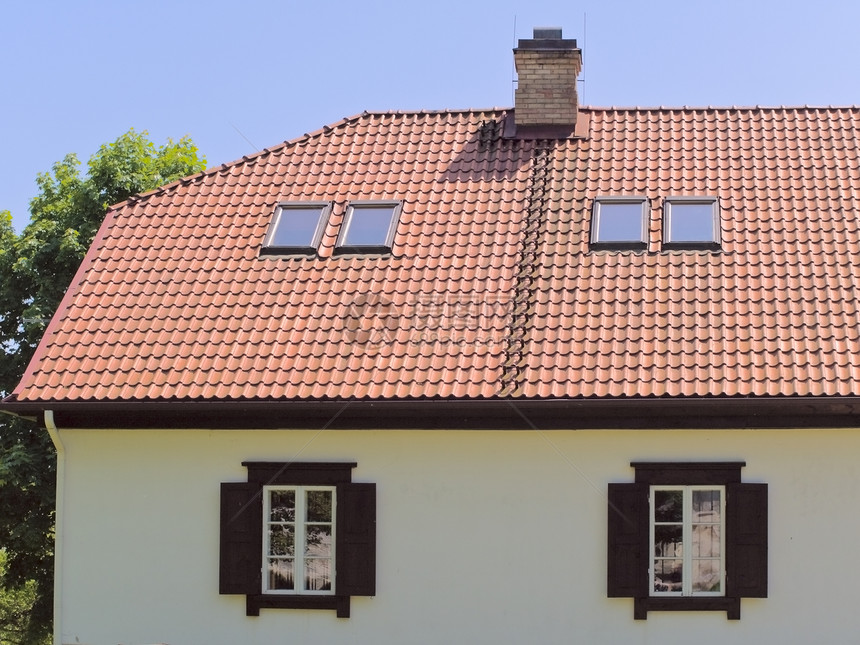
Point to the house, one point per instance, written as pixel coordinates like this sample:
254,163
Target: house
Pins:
552,374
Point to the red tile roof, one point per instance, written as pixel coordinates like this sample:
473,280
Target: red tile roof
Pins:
491,289
774,313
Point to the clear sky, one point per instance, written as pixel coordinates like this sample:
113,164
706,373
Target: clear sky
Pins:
239,76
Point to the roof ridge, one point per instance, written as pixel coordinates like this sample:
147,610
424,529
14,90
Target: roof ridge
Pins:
676,108
440,111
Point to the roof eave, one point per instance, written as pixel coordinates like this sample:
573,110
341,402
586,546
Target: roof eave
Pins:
457,414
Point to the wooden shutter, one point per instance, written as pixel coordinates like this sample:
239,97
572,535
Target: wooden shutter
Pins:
746,540
241,538
627,550
356,540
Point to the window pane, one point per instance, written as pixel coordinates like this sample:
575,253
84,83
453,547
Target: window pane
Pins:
281,576
619,222
706,506
668,505
319,506
318,542
706,575
667,575
668,541
706,541
368,225
691,222
318,574
282,540
283,506
296,226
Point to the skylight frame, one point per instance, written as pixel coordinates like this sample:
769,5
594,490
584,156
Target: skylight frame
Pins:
630,244
386,245
713,244
269,248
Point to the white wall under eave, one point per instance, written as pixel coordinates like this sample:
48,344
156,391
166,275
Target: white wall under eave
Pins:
483,537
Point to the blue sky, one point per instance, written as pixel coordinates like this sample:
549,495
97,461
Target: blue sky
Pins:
238,76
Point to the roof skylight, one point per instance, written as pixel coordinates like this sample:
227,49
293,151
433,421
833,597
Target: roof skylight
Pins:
619,223
369,227
296,227
691,222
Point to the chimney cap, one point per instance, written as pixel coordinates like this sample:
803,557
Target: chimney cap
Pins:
547,33
547,38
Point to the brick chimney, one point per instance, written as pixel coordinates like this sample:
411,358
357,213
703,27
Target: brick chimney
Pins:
547,67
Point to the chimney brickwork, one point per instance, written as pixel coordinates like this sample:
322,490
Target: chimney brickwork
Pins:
547,70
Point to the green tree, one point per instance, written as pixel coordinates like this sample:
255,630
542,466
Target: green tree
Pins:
15,606
36,268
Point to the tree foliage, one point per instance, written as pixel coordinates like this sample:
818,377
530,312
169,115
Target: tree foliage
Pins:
15,606
36,268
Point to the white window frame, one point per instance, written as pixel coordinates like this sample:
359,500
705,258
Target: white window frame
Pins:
300,536
686,541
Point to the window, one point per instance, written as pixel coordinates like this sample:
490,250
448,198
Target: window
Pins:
298,538
296,228
298,535
619,223
369,227
687,536
687,540
691,223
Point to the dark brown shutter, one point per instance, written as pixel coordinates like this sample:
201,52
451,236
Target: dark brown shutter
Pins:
241,538
356,540
627,553
746,540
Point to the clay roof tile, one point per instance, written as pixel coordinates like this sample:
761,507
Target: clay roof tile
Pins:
491,285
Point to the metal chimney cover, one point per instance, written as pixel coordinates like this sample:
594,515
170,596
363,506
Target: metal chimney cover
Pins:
547,33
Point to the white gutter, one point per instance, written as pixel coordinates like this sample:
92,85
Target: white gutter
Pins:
58,519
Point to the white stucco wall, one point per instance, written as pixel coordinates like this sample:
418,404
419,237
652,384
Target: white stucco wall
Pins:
483,537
